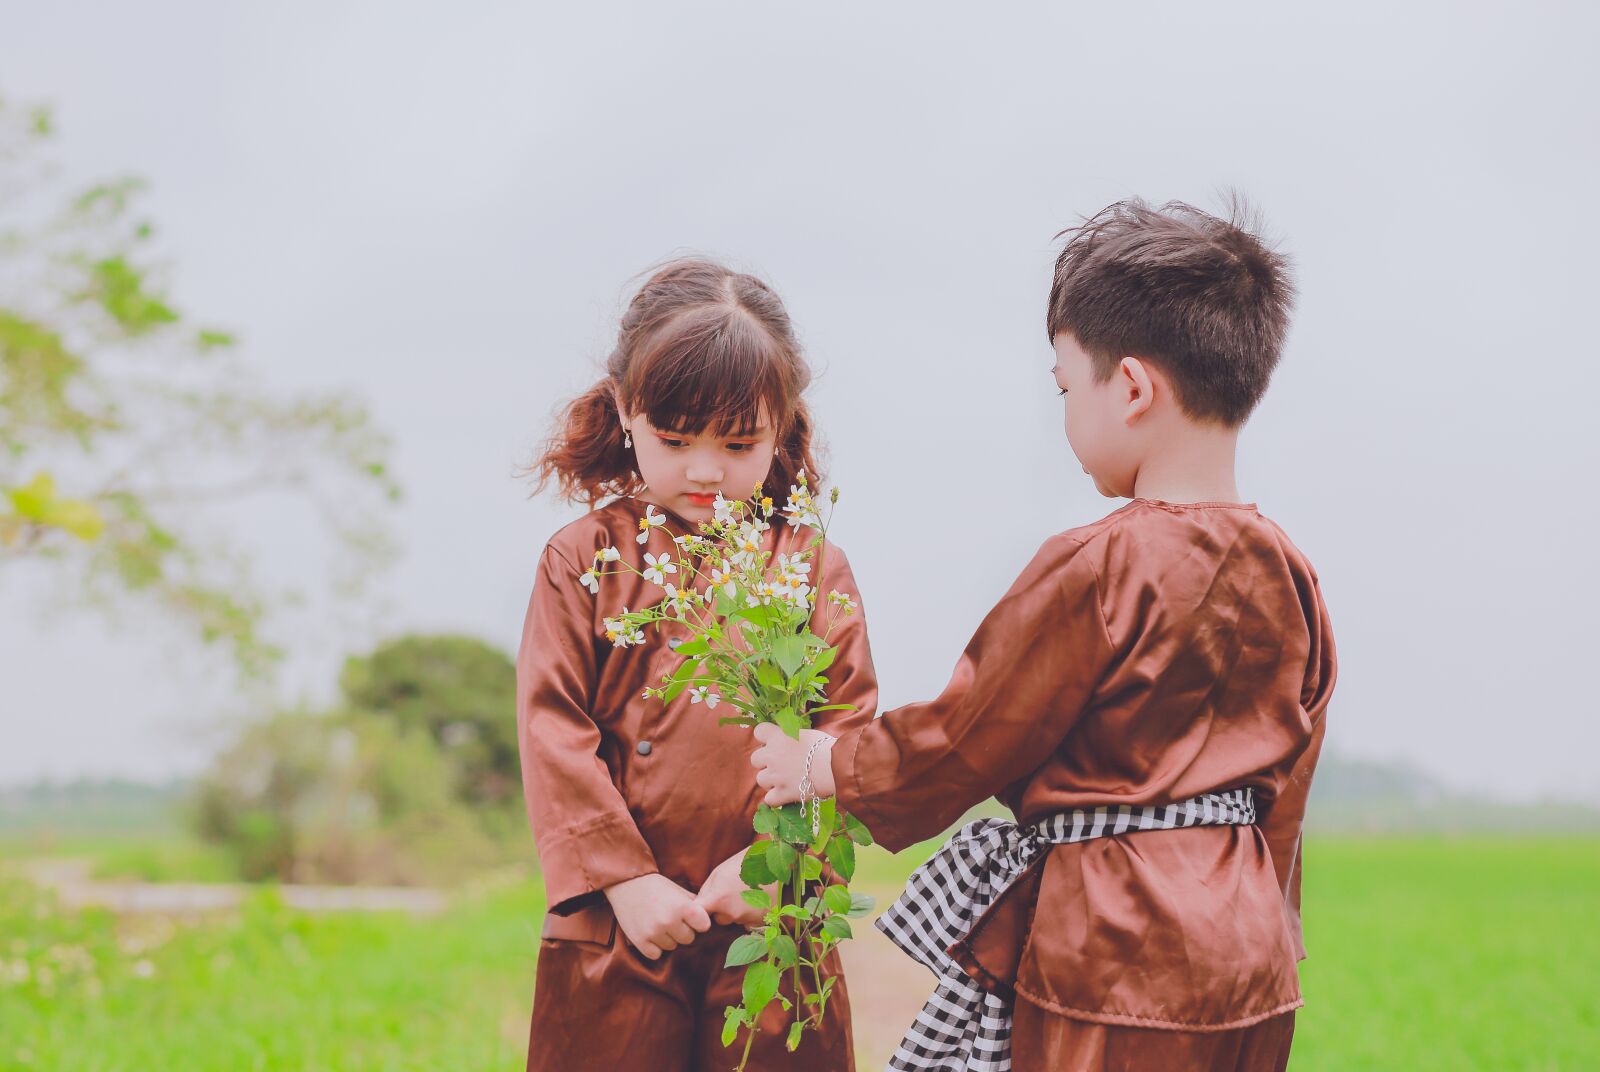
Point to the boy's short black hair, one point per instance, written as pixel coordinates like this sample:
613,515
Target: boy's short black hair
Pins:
1202,298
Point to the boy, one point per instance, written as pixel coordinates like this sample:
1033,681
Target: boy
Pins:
1148,700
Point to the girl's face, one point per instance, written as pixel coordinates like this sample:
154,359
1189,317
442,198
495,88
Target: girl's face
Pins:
684,472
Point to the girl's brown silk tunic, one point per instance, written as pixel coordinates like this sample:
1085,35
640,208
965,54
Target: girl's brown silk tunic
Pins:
1163,652
619,786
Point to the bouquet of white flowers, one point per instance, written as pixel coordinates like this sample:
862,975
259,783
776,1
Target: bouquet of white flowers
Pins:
753,648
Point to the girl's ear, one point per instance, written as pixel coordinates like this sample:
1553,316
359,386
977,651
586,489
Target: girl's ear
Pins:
616,401
1135,382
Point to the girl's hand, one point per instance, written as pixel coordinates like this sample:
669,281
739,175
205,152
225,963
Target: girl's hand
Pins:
656,914
720,896
780,763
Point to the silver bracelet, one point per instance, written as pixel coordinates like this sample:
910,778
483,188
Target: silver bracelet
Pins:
810,803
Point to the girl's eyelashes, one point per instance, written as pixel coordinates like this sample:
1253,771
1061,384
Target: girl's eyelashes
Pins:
678,444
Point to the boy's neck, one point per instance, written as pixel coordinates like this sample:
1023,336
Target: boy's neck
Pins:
1191,463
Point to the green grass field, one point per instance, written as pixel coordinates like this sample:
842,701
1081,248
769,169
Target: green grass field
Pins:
1426,954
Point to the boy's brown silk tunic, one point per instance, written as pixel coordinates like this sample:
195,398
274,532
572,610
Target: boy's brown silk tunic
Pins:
619,786
1163,652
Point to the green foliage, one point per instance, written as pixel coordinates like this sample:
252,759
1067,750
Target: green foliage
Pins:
348,797
1427,954
266,987
108,389
458,691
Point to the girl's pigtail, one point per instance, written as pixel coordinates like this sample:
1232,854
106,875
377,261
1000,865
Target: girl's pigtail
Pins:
586,456
795,452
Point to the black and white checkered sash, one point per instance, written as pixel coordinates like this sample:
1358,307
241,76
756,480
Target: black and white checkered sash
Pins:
964,1027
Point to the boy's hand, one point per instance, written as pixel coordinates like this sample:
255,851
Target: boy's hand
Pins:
656,914
720,896
780,763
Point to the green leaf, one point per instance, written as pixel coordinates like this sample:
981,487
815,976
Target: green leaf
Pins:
812,640
824,660
697,646
769,676
780,860
837,928
810,868
767,819
861,905
842,855
745,949
858,832
785,951
790,653
760,986
833,707
744,721
796,1029
792,824
756,899
731,1024
754,870
837,898
825,826
761,616
789,722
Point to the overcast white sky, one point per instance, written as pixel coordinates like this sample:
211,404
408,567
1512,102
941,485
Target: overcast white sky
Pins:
440,207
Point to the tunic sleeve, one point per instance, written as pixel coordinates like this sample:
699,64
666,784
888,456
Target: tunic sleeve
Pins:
586,837
851,678
1285,817
1017,691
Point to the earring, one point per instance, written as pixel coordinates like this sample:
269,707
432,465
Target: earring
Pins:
627,438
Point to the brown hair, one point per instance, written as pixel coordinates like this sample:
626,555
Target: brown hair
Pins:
1200,297
700,346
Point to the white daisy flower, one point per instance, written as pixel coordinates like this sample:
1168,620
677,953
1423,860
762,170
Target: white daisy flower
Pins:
622,632
656,569
722,577
650,520
702,692
590,579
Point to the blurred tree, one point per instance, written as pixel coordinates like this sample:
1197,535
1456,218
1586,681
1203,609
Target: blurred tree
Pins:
121,418
458,690
343,797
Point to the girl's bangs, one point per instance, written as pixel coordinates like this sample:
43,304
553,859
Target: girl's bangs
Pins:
719,373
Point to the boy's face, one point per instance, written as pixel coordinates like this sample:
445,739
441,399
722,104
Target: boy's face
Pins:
1098,417
684,472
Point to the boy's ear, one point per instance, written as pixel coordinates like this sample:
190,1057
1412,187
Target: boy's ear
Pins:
1136,382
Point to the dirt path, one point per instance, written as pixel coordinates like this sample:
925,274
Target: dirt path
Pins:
886,989
72,882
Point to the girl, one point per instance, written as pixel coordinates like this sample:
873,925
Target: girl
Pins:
641,812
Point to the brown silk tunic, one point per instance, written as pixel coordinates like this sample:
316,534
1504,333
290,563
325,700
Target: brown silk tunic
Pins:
618,786
1163,652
